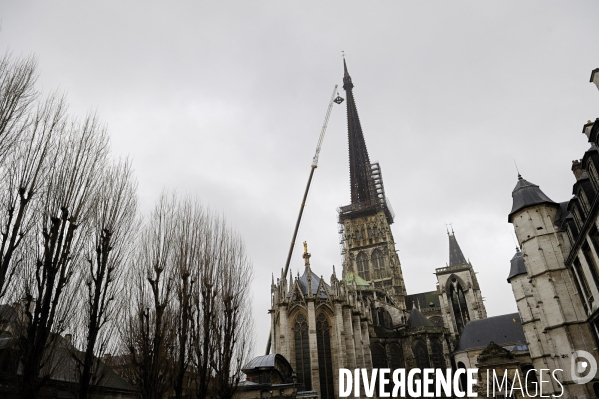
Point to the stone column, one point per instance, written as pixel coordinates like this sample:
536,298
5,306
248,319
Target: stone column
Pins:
366,344
338,347
358,340
313,345
350,348
284,331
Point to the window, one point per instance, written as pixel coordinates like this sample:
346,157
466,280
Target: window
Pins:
397,361
420,354
581,281
584,201
378,264
363,269
459,305
437,354
590,259
302,353
593,174
325,365
577,218
379,361
463,378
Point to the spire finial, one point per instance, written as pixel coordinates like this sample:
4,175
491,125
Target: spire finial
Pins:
306,255
519,175
447,228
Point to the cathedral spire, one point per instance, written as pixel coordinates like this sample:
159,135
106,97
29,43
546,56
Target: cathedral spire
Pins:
456,257
359,162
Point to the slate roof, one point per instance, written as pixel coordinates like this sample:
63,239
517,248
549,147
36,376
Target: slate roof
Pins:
526,194
503,330
303,283
417,319
456,257
261,361
424,299
517,265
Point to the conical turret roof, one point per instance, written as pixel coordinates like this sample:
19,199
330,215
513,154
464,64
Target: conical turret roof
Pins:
517,266
527,194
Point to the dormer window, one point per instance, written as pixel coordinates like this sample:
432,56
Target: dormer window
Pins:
593,174
584,201
577,217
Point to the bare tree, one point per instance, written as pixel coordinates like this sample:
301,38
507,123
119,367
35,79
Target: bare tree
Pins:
113,223
222,328
233,331
63,227
148,332
24,179
203,274
17,93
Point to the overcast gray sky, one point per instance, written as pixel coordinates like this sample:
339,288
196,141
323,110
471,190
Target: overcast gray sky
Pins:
226,100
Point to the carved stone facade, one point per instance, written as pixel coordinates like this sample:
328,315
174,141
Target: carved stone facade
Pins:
555,277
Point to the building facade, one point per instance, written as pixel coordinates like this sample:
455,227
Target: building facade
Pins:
555,277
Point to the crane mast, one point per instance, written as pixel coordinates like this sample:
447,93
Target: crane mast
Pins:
336,100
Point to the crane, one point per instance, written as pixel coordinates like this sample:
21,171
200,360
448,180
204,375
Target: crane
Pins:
336,100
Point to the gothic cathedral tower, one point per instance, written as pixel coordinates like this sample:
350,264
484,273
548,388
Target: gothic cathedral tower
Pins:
459,293
368,248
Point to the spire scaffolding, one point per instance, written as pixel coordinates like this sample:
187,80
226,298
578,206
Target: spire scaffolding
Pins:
366,180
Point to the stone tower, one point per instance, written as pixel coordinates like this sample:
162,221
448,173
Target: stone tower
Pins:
459,292
367,244
552,314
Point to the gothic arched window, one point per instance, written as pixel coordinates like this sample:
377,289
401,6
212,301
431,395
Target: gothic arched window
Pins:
362,263
378,264
396,361
437,354
421,354
379,361
325,365
302,352
459,305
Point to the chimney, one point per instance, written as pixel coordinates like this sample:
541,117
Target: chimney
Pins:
577,169
595,77
69,338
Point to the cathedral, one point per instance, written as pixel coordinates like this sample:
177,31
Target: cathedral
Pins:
363,316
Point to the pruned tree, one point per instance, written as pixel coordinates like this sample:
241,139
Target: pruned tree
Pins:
201,269
114,225
24,180
147,334
63,227
17,94
222,324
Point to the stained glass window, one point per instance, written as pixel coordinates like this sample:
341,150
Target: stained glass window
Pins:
325,365
302,352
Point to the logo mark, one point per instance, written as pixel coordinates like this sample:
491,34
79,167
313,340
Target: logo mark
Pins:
583,363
